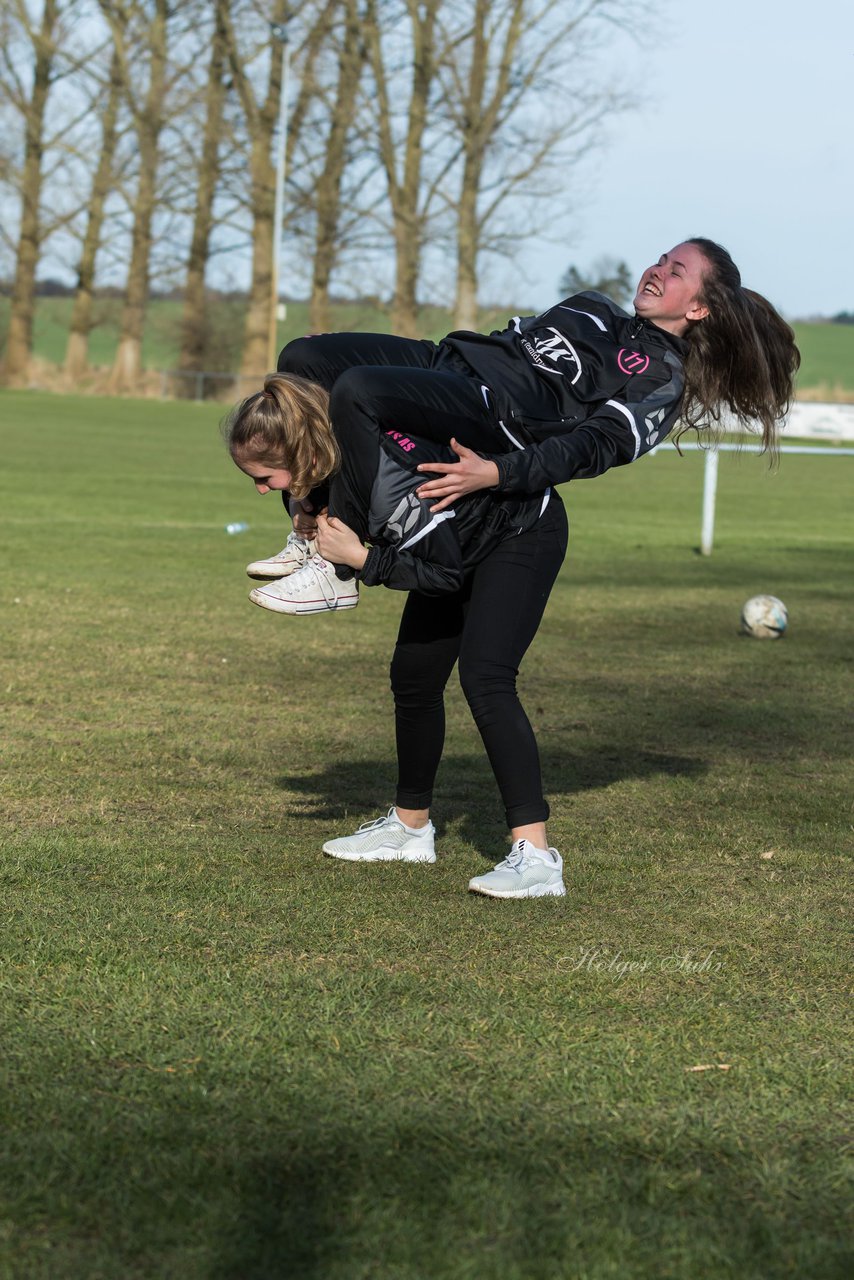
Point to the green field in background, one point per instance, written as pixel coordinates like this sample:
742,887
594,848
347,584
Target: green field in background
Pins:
827,355
162,335
228,1058
827,349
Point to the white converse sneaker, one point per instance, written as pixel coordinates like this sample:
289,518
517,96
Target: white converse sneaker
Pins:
293,556
386,840
315,588
527,872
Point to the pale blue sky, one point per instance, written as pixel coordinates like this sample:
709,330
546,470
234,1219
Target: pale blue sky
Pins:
745,136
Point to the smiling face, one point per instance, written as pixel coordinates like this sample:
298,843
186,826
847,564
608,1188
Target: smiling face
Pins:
263,476
669,293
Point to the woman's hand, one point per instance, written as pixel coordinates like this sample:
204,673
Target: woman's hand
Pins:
458,478
303,518
338,544
304,524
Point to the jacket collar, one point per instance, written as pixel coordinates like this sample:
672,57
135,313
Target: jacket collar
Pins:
670,340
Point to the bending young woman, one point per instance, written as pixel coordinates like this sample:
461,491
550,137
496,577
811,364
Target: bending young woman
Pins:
451,563
556,397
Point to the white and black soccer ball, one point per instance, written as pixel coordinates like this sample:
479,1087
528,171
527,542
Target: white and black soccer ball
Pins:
764,617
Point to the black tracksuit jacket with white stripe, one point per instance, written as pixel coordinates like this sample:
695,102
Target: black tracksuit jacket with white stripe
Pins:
572,392
578,389
412,548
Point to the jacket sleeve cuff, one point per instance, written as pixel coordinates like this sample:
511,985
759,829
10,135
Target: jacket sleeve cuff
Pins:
502,462
368,571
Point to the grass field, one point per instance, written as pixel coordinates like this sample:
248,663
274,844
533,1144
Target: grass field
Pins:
827,370
226,1057
827,359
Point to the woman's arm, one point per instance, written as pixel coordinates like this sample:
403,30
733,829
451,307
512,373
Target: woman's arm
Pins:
617,432
471,473
338,543
428,560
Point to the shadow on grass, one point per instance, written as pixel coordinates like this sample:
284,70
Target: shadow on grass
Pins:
466,791
511,1198
350,1183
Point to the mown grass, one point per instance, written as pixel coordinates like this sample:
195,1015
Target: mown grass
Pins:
227,1057
827,350
827,360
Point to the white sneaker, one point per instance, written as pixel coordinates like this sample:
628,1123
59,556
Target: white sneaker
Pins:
386,840
292,556
314,588
527,872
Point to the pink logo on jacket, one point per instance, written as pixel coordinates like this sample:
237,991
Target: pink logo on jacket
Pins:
632,361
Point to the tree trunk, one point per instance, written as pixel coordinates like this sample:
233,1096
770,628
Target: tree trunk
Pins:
409,230
256,332
77,346
468,231
261,121
19,341
405,192
149,117
328,187
465,298
480,111
468,243
194,323
407,257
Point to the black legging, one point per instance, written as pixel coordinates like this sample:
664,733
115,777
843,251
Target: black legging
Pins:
489,624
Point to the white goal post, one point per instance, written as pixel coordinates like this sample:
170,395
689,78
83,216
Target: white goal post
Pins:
806,421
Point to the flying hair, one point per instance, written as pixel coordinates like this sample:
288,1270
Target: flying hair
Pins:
741,357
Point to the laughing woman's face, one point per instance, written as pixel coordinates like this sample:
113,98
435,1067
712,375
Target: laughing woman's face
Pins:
669,293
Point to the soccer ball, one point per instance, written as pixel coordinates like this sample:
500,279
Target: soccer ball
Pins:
764,617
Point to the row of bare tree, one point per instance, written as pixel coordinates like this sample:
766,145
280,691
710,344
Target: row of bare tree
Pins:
139,141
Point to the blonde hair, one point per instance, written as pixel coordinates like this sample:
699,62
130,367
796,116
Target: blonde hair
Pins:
286,424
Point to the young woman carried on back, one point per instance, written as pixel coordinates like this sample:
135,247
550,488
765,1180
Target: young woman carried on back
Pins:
556,397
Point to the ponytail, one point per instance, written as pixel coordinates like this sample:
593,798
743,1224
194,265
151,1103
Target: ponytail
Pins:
741,357
285,425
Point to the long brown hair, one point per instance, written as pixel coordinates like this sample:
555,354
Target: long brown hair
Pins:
741,357
286,424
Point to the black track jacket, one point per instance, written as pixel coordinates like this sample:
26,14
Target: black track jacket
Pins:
415,550
576,390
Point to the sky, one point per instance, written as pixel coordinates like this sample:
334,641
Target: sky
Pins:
744,136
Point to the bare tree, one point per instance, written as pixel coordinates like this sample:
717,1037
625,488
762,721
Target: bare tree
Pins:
478,101
403,159
523,121
140,31
327,188
31,104
194,324
260,114
260,119
77,345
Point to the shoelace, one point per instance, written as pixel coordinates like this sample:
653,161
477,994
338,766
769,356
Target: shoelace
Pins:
377,822
307,576
294,543
516,857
